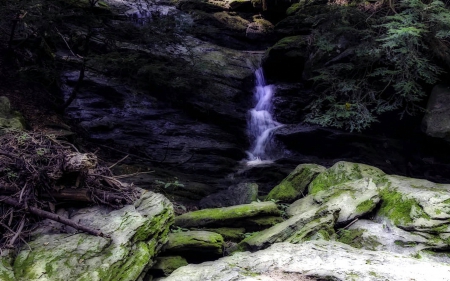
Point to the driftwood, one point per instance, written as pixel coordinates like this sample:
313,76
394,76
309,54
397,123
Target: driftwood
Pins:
48,215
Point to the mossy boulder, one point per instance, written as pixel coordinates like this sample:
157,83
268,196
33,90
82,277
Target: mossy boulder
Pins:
164,266
417,205
295,184
137,233
195,245
260,29
9,119
227,216
342,172
290,51
420,207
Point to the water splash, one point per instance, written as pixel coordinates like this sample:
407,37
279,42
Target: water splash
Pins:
261,123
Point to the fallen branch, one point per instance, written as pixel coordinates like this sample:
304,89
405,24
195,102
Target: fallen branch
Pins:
54,217
83,195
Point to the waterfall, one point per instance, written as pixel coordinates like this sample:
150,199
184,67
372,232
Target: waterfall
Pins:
261,124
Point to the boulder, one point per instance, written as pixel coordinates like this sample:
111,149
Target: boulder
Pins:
342,172
418,207
295,184
327,260
9,119
242,193
137,233
260,29
436,122
227,216
290,51
195,246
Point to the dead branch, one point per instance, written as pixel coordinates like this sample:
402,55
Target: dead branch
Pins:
54,217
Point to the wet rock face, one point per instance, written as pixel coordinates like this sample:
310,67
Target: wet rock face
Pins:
436,122
153,129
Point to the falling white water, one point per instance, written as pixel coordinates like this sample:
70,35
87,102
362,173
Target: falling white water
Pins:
261,123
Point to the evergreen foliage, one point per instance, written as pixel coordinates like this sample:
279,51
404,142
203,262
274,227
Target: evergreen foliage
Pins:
382,57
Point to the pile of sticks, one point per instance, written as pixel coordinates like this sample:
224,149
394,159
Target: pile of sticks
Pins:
39,172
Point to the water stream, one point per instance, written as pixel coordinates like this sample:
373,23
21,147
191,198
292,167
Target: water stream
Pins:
261,123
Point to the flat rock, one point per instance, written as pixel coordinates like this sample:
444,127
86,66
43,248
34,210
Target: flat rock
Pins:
195,245
319,259
226,216
293,230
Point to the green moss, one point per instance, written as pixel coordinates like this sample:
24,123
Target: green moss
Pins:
342,172
168,264
398,208
354,238
293,8
262,222
225,216
365,207
284,192
198,240
228,233
294,185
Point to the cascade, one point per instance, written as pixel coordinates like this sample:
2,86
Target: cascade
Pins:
261,123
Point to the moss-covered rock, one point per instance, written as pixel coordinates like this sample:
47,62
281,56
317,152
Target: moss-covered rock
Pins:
137,234
195,245
296,229
229,233
290,51
417,205
342,172
260,222
355,238
164,266
226,216
6,270
294,185
9,119
321,228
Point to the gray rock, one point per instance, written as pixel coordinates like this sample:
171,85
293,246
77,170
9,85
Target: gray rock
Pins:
295,229
321,259
436,123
